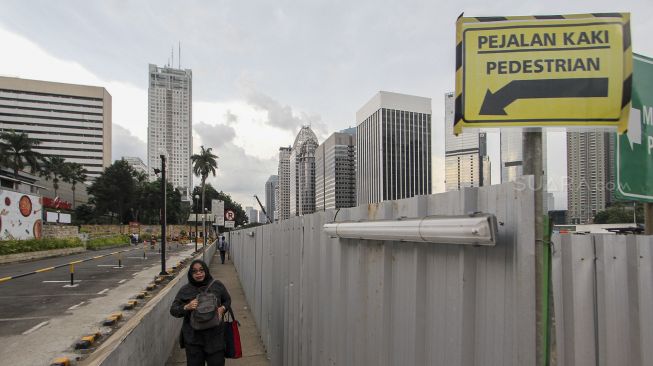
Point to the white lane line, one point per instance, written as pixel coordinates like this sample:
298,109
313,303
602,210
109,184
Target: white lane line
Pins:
76,306
137,257
61,281
107,265
103,291
26,318
122,281
71,286
37,326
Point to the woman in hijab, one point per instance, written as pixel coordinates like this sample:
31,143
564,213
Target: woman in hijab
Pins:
202,346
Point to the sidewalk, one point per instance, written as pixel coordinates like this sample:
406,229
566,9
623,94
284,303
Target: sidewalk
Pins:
253,350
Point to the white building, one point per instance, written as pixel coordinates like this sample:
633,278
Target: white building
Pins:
282,208
335,172
270,199
252,214
71,121
302,173
393,144
466,161
169,130
136,163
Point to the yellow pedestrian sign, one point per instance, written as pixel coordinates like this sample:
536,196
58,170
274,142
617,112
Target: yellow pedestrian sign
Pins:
539,71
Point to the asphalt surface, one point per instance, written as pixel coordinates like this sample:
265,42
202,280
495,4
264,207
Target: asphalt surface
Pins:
29,301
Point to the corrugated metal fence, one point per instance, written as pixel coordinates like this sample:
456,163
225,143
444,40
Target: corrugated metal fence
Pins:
323,301
603,299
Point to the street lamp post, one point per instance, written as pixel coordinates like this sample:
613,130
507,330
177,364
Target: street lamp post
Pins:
197,197
163,215
204,232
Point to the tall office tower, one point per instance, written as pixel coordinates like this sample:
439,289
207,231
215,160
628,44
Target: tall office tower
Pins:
335,172
71,121
169,130
590,174
393,144
512,155
466,161
270,203
136,163
252,214
283,189
302,173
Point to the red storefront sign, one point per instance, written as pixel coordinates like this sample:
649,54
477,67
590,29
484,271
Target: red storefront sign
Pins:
57,203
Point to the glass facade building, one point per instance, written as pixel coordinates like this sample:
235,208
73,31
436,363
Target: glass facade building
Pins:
302,173
270,196
393,142
335,172
282,208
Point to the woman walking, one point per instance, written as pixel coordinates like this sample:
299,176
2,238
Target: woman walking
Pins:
203,346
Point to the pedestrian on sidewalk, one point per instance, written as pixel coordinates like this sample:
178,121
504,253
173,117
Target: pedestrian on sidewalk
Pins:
223,247
203,347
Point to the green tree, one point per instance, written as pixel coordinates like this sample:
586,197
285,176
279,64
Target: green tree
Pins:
114,191
229,203
85,214
17,152
204,163
619,213
74,173
54,168
148,204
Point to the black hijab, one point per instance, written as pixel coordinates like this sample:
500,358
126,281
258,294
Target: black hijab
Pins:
207,274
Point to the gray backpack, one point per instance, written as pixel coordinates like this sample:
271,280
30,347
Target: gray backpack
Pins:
205,315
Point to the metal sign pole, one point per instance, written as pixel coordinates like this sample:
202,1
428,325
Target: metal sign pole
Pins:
163,216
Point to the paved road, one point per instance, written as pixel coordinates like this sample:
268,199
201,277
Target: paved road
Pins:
29,301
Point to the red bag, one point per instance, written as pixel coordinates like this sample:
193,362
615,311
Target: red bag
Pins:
233,348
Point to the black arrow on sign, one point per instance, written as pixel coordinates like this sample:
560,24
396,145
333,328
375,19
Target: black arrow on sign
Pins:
494,103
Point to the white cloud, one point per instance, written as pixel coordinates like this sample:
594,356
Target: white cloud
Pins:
124,143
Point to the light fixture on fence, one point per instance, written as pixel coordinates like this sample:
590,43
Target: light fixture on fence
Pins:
476,229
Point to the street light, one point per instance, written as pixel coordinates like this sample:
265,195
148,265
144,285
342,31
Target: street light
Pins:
197,197
204,232
163,215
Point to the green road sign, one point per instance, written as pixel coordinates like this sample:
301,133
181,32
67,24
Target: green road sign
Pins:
635,148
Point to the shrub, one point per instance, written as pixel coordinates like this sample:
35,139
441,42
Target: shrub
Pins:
110,241
34,245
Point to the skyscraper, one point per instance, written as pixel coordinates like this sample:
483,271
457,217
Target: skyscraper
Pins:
169,130
466,161
71,121
393,143
283,189
136,163
302,173
590,174
270,203
335,172
252,214
512,154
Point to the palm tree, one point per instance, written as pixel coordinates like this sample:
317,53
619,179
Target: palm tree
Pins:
204,163
74,173
17,152
54,167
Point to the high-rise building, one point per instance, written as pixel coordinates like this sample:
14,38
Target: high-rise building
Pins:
71,121
270,202
335,171
466,161
252,214
512,155
283,189
136,163
302,173
590,174
169,130
393,143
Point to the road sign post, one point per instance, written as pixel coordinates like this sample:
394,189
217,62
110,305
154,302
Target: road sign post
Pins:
635,147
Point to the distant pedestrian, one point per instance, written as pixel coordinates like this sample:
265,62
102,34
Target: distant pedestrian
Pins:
206,346
223,247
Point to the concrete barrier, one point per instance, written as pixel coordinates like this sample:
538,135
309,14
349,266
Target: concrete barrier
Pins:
28,256
149,336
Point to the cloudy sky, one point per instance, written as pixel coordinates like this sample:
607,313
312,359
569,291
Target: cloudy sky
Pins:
261,69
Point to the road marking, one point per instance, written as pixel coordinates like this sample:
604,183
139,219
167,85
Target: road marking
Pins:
75,285
26,318
103,291
136,258
61,281
76,306
122,281
37,326
107,265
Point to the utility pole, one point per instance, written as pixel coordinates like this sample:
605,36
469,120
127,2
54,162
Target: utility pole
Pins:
163,215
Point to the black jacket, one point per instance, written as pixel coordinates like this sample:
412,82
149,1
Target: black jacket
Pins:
211,340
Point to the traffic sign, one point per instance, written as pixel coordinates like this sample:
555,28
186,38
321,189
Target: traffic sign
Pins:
539,71
230,224
635,147
229,215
